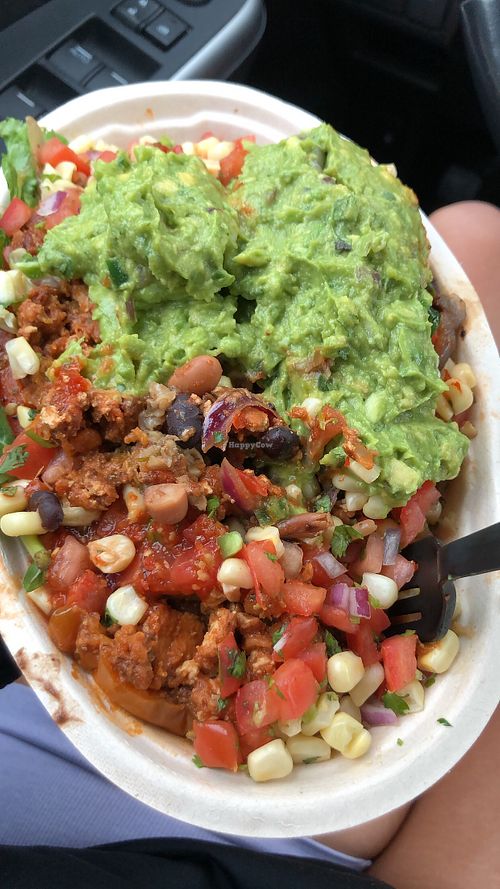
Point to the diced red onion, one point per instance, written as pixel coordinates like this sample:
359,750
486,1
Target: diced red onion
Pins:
51,203
218,421
233,485
392,539
374,714
329,564
92,155
338,595
359,606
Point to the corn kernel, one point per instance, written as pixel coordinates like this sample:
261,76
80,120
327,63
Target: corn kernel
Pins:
444,409
366,475
367,686
312,406
23,360
347,705
341,731
358,746
203,147
270,532
235,573
19,524
460,396
24,415
112,554
376,507
16,502
134,501
355,501
437,657
306,750
220,151
414,695
382,588
345,482
345,670
321,715
78,517
14,287
269,762
290,728
125,606
465,374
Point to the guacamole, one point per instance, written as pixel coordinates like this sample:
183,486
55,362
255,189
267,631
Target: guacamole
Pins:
310,274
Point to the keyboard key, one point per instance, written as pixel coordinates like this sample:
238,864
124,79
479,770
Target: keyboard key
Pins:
75,61
135,14
105,78
165,30
14,102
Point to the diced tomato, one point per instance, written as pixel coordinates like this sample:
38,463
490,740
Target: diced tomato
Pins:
255,706
203,529
315,658
334,616
371,560
401,572
229,655
54,152
217,745
299,633
195,570
412,516
303,598
38,456
70,207
295,689
256,738
363,644
90,591
379,621
232,165
399,659
16,215
267,574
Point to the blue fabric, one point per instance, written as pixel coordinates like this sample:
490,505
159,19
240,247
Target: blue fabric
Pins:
51,795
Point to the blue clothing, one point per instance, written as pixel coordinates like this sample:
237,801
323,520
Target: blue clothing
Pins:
50,795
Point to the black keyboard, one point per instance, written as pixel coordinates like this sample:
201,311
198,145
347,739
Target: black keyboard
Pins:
64,49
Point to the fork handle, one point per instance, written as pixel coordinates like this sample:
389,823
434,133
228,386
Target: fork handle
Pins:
475,554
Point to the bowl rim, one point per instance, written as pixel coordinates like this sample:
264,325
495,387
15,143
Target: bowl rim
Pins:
229,804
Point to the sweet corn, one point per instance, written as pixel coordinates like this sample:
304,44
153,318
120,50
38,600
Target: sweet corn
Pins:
112,554
23,360
125,607
366,475
365,527
294,493
341,732
460,395
347,705
465,374
382,588
134,501
321,715
269,762
203,147
220,150
18,524
376,507
345,482
437,657
444,409
344,670
188,147
355,501
78,517
308,750
414,695
42,600
24,415
312,406
358,746
212,166
17,501
367,686
270,532
8,321
290,728
65,170
235,573
14,286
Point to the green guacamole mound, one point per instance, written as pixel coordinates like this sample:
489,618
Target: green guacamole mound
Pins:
310,274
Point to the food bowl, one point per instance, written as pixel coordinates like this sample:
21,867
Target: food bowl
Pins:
156,767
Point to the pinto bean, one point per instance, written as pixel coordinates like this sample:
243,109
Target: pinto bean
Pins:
197,376
166,503
307,524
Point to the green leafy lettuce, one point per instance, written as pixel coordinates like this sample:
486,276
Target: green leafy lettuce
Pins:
18,163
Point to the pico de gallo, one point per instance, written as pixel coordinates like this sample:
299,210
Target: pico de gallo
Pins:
221,565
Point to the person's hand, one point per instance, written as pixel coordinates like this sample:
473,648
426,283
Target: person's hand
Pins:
9,671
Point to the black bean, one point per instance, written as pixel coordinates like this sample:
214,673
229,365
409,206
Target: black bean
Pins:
184,417
49,508
279,443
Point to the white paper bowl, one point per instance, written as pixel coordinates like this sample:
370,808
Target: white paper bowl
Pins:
156,767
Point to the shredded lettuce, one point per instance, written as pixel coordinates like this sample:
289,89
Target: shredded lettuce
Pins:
18,164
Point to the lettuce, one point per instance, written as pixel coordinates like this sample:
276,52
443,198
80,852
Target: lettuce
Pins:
18,164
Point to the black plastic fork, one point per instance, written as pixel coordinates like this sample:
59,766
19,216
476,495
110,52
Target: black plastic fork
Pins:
427,603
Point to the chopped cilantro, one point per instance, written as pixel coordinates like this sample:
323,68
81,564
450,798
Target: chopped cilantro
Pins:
323,504
218,437
213,504
323,684
243,767
117,273
279,693
272,557
107,620
342,536
33,578
400,742
8,491
278,634
323,383
310,714
434,316
272,510
198,762
238,663
309,760
430,680
332,646
221,704
374,602
6,434
395,702
12,460
443,721
39,440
